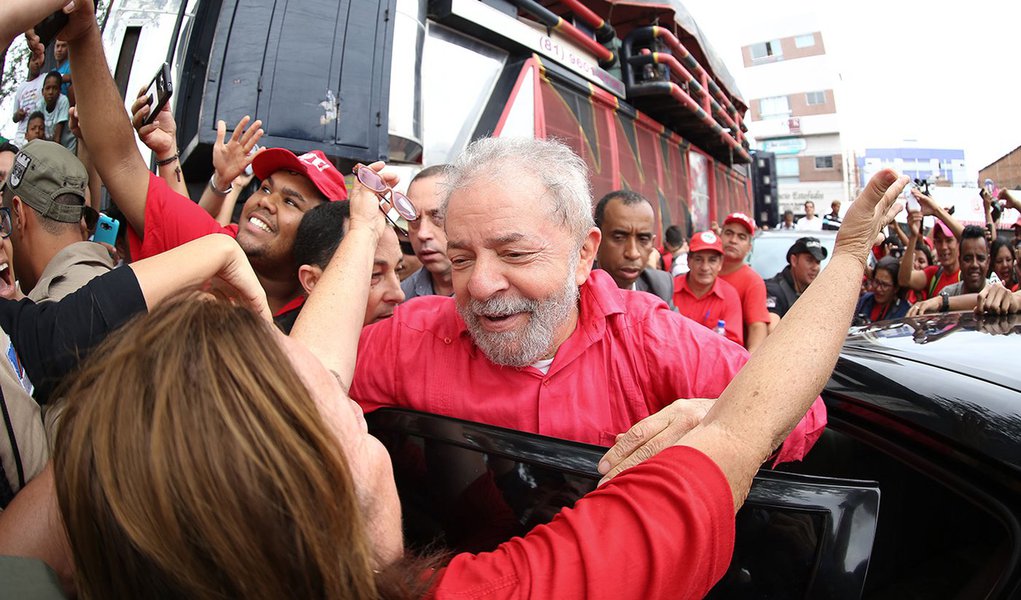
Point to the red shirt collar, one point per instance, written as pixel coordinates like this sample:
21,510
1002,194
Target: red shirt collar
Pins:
294,304
683,287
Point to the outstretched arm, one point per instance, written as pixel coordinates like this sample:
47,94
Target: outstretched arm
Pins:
907,276
104,121
757,410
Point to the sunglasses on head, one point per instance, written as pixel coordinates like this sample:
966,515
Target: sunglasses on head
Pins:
393,204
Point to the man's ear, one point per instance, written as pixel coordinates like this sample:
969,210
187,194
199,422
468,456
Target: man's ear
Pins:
18,213
588,255
309,276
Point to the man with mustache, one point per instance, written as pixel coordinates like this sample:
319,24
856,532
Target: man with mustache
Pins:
161,219
627,222
534,339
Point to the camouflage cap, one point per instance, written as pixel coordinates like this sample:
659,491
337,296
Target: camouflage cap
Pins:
42,172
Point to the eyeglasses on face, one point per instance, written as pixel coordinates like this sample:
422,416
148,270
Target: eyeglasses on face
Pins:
392,203
879,284
5,222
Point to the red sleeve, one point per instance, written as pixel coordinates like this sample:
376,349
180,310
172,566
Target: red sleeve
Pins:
170,220
805,434
662,529
373,383
754,300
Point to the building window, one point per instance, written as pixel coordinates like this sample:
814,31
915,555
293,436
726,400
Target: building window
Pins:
823,162
765,50
777,106
804,41
815,98
787,167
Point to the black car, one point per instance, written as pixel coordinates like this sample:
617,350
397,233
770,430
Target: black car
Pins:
913,491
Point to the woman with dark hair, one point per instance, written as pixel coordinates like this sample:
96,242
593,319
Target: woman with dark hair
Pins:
1001,262
885,301
231,462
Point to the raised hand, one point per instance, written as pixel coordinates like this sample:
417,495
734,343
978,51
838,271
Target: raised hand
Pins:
160,136
868,213
231,157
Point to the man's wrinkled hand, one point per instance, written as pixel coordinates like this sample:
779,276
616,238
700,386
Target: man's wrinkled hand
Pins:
653,434
867,214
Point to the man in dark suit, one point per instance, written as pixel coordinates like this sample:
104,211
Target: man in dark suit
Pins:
628,222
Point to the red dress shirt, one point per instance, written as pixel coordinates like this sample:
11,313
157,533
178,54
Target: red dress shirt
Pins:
628,357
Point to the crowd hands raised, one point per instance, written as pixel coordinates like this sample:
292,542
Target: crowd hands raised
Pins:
212,443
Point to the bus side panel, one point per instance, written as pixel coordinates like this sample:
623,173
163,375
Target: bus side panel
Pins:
621,152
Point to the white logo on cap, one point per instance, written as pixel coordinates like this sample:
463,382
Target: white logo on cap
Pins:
21,163
315,161
709,237
813,244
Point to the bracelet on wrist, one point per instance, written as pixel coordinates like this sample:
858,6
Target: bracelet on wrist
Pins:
216,190
166,161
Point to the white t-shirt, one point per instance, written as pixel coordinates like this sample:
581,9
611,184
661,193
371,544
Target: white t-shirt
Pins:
52,118
27,98
804,224
680,264
543,365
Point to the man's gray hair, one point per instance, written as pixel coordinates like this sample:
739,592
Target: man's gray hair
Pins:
559,170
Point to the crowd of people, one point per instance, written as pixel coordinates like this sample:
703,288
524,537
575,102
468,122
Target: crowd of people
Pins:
184,406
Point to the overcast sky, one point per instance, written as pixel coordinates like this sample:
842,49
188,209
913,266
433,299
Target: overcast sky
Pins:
942,73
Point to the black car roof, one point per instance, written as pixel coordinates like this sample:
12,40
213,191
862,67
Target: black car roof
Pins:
953,376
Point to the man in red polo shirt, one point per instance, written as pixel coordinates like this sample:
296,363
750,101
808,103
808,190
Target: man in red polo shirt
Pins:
534,339
161,219
701,295
738,229
945,236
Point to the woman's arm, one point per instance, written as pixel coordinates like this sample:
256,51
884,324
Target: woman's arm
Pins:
757,410
332,334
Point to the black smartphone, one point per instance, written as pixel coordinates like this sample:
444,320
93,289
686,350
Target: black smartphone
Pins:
48,28
158,92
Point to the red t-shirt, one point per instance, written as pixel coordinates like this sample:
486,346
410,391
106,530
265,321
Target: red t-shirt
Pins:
662,529
752,290
172,220
628,357
947,278
720,303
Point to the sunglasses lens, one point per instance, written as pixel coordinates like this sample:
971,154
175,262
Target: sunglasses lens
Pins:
404,206
370,179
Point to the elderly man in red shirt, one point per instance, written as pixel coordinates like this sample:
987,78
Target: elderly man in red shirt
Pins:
702,296
533,338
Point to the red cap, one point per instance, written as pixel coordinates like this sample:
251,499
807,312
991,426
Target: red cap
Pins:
705,240
314,165
943,227
742,219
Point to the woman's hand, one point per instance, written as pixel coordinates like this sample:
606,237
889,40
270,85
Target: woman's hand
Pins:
864,220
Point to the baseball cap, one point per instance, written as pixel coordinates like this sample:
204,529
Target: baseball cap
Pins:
43,171
705,240
314,165
808,245
741,218
943,227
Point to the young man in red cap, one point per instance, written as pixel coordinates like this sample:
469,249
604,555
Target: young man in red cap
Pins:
161,219
738,229
945,236
701,295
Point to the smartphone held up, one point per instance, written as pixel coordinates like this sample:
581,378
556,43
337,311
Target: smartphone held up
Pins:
158,93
